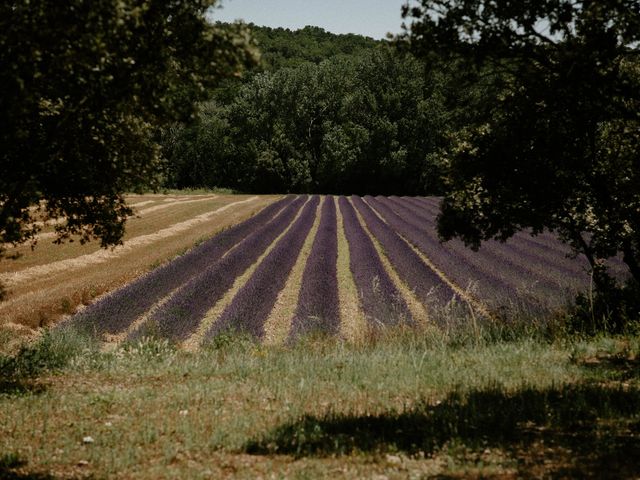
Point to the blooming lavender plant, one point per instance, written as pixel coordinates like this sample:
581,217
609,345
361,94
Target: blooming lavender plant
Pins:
180,315
457,265
318,304
380,300
117,310
252,304
425,283
541,269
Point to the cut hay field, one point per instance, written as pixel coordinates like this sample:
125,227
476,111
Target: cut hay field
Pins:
339,266
51,281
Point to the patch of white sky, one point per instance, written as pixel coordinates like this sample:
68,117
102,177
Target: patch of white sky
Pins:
371,18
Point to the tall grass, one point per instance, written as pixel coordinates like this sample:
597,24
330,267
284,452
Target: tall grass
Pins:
401,400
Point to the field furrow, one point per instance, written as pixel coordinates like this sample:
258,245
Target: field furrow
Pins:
428,287
380,300
180,316
292,267
278,325
118,310
353,324
416,307
318,303
533,271
102,256
253,303
544,250
480,279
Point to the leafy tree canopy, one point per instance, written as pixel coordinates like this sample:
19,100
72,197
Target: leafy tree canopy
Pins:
84,86
282,47
350,124
553,136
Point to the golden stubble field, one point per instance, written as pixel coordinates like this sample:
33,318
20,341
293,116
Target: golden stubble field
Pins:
51,281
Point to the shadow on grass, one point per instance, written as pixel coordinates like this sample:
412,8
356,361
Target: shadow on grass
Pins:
617,368
19,387
4,293
10,469
597,428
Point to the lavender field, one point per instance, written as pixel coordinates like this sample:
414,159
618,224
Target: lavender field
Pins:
237,280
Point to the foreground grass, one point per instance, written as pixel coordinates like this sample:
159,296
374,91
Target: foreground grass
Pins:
403,405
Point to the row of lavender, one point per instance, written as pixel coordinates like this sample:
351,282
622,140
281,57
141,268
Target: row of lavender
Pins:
532,272
173,300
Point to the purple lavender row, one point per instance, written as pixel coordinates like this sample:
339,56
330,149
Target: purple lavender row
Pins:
458,267
426,284
536,265
251,306
549,286
546,240
318,303
553,256
181,314
116,311
543,279
380,300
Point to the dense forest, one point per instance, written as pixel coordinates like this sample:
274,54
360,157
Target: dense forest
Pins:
322,113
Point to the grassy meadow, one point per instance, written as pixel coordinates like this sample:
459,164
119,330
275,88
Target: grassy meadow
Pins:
487,403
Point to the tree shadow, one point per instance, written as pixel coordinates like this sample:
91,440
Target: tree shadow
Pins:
4,292
598,426
11,467
614,367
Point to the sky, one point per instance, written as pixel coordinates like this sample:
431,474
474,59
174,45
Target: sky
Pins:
372,18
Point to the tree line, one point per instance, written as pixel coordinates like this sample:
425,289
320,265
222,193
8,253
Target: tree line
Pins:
357,123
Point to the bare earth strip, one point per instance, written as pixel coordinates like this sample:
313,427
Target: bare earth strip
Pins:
106,255
417,309
42,301
353,326
473,303
167,203
194,342
155,208
141,204
278,324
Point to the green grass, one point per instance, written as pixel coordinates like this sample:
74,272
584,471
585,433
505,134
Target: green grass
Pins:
403,404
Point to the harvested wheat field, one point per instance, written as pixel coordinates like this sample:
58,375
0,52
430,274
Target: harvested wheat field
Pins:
52,281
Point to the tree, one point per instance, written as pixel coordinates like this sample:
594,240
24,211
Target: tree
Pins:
85,87
345,125
553,138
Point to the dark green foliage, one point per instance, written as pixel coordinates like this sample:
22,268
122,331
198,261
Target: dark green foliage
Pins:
282,47
51,352
85,86
358,124
550,134
611,308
